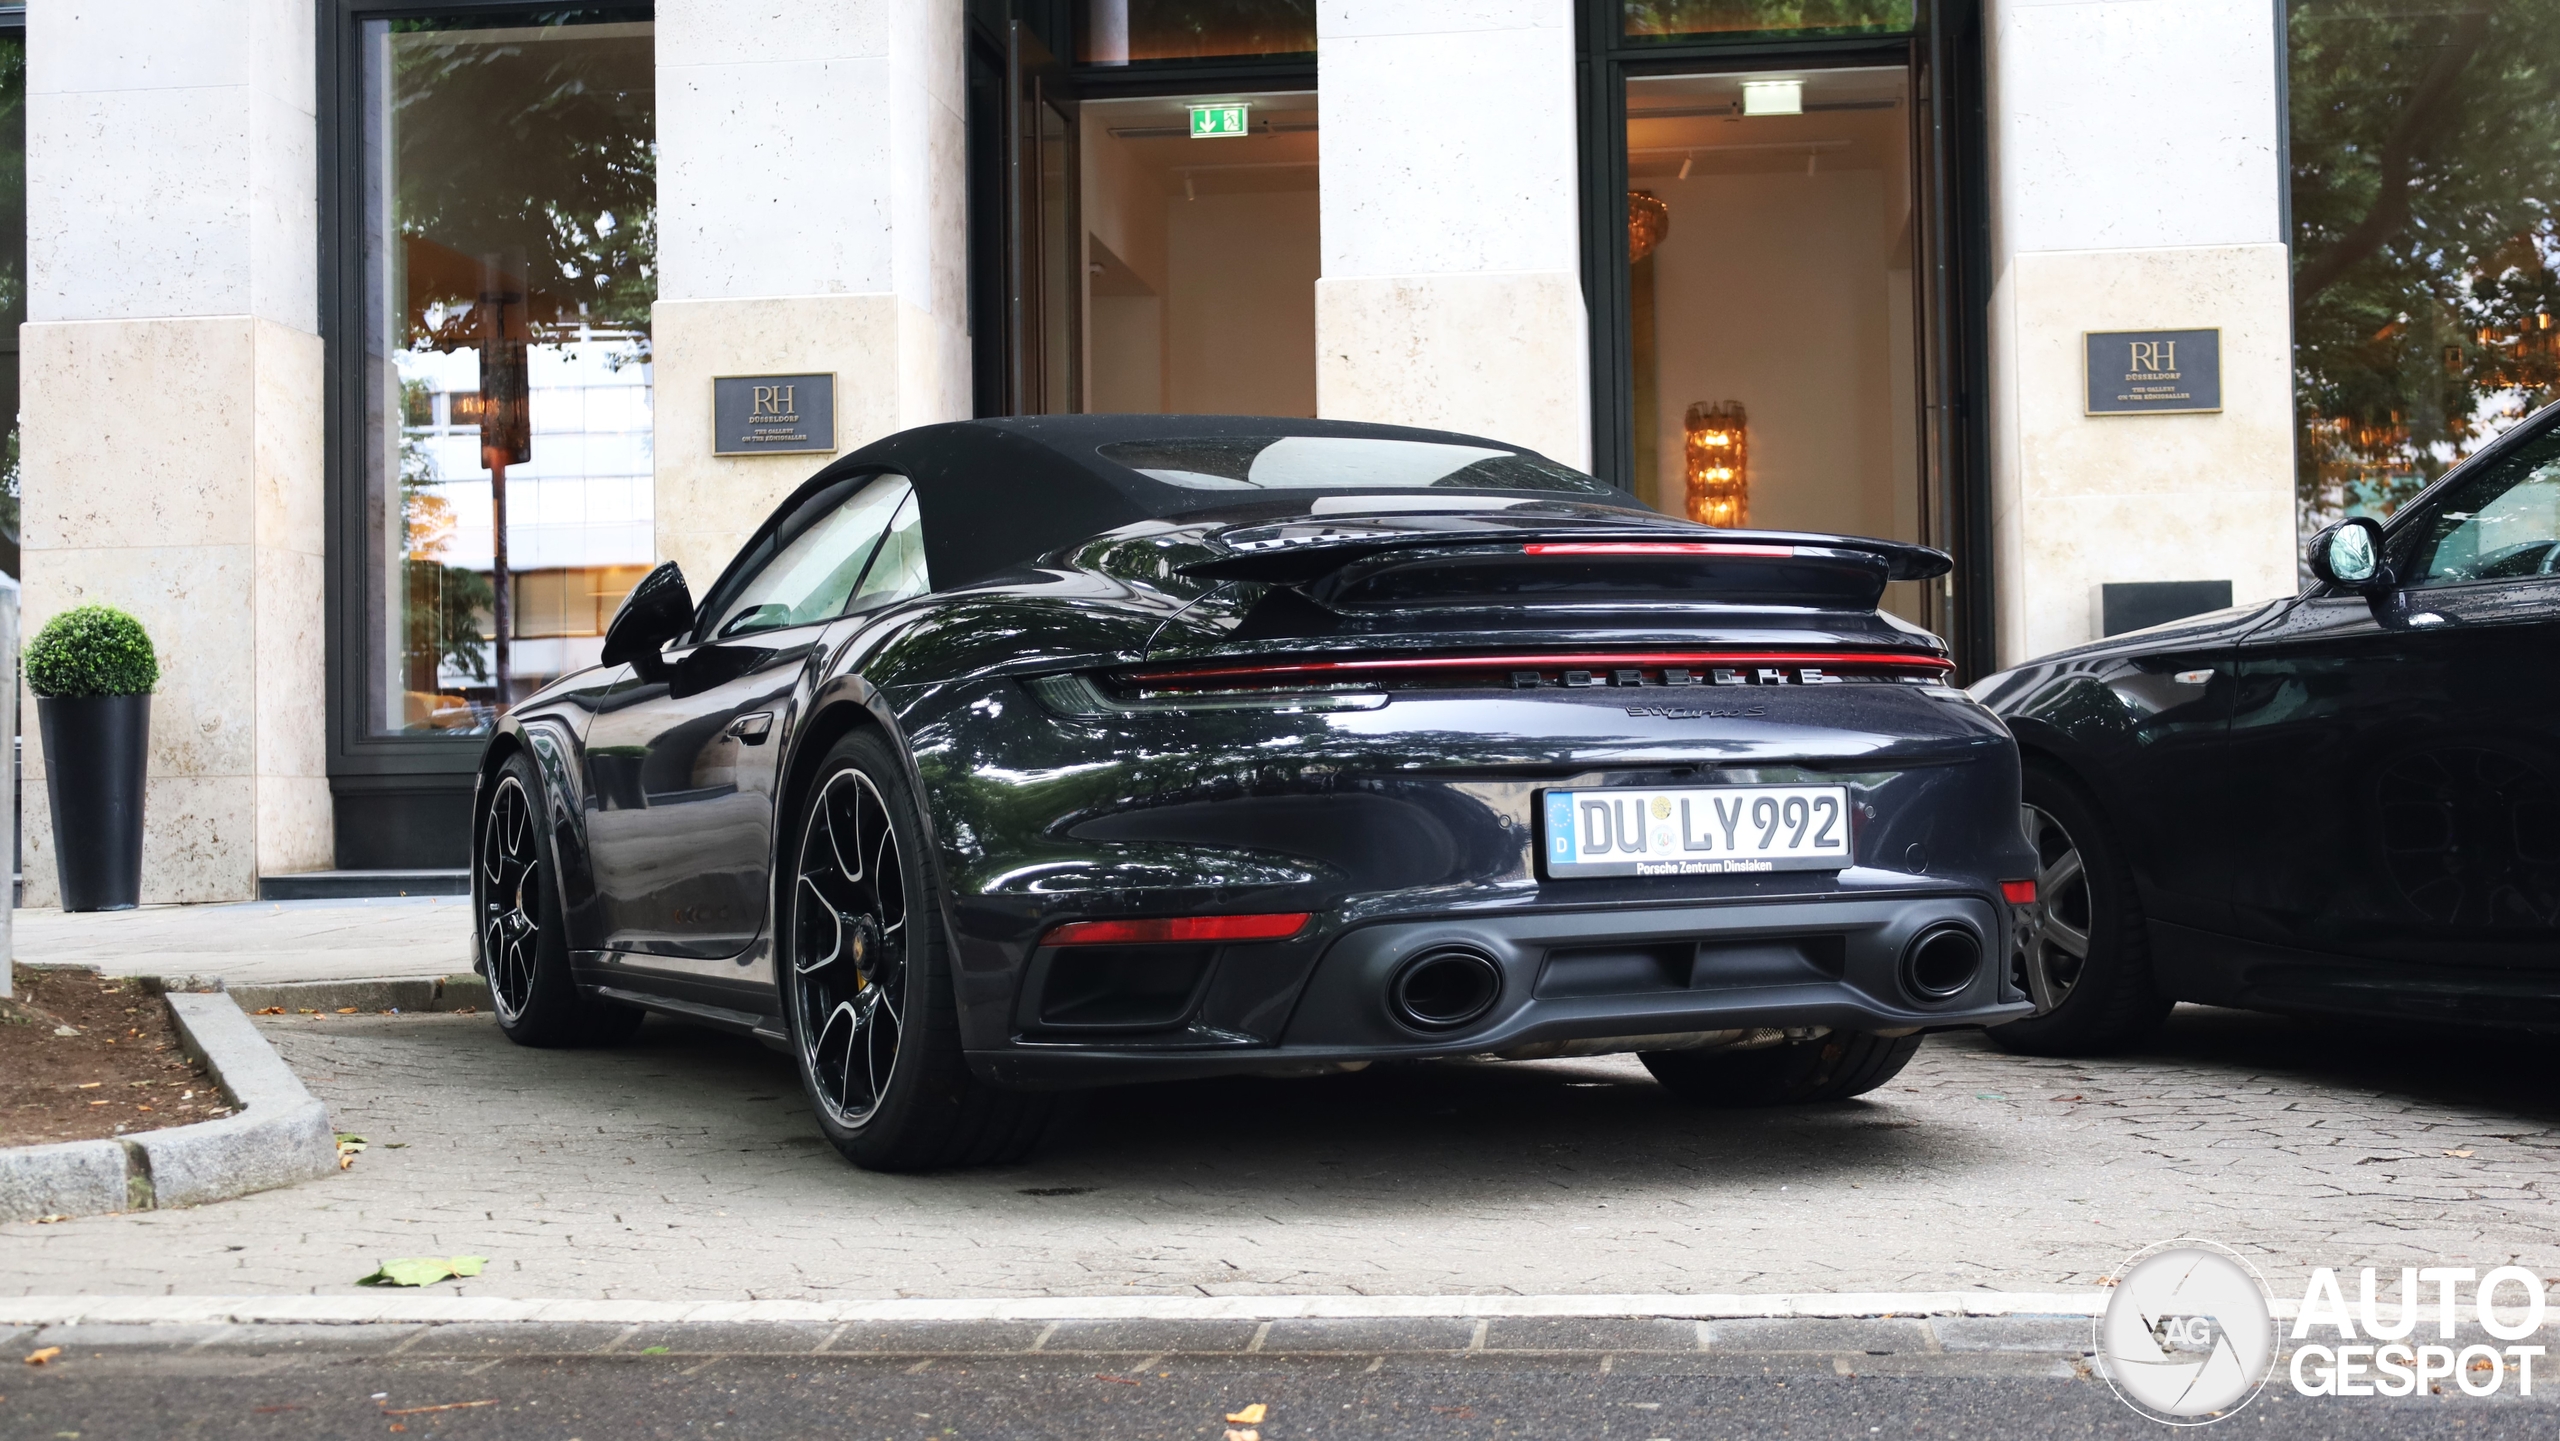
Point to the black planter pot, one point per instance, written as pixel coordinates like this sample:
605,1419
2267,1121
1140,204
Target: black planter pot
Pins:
97,752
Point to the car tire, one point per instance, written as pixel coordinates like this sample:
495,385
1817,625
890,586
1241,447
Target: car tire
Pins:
1828,1068
864,966
2086,899
524,941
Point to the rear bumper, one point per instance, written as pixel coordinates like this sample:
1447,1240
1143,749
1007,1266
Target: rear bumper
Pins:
1578,976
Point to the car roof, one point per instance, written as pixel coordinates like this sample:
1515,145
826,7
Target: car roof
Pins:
997,493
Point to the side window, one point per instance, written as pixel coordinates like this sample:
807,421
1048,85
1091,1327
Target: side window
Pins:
2502,524
818,558
898,571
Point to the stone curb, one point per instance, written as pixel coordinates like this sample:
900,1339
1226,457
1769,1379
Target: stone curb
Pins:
422,1307
279,1135
464,992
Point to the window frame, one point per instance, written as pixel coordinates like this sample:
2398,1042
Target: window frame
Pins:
410,788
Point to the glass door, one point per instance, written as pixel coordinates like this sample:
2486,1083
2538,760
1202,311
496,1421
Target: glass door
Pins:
1777,278
1772,318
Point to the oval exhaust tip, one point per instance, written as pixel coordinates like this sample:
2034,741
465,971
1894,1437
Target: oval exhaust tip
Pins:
1444,988
1941,962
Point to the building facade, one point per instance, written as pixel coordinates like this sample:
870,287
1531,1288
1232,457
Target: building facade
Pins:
371,351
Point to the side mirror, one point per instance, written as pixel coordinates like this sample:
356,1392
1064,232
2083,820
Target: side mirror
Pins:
659,609
2349,555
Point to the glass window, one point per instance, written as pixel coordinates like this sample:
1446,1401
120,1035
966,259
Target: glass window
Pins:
897,573
510,250
1119,32
1686,19
816,557
1771,311
2502,524
2424,138
1187,244
1334,462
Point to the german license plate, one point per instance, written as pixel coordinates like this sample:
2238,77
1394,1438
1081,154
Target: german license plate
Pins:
1696,831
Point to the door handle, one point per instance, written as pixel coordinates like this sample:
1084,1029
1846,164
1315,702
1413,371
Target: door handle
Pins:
753,728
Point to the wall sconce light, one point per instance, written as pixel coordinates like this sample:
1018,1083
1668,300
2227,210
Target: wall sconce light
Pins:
1719,445
1773,97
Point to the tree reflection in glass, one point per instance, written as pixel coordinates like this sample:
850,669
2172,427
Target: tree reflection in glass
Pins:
2425,149
510,245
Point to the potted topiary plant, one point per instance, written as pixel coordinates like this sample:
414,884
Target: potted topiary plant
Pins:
92,670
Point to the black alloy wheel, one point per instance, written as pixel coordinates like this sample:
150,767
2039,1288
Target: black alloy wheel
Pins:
2057,948
2086,961
1794,1073
849,948
524,945
867,987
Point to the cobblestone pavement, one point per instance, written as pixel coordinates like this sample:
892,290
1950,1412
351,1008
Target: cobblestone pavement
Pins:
685,1166
259,942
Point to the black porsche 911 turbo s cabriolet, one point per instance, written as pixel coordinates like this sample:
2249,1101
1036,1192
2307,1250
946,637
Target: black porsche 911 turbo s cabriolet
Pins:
1011,756
2343,802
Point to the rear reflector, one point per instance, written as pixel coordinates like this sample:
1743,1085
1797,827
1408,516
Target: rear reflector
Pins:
1175,930
1655,547
2018,893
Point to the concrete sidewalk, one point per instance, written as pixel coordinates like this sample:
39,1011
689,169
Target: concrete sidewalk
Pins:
259,942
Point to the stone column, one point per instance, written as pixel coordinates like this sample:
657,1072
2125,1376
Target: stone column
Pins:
2136,184
172,424
811,217
1452,286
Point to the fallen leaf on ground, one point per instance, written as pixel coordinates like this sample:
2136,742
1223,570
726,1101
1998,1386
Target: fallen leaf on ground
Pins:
88,1085
447,1406
1243,1433
268,1011
1120,1381
346,1010
653,1350
2071,1098
1251,1415
40,1357
423,1270
2464,1155
349,1147
49,1220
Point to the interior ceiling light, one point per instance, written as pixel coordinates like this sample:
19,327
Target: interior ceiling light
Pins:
1773,97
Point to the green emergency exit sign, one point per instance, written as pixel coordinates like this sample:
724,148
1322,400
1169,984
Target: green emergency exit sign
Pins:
1209,122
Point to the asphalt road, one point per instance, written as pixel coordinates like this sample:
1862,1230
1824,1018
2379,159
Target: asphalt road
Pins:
315,1389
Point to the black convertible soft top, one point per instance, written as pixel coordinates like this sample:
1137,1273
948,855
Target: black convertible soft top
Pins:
997,493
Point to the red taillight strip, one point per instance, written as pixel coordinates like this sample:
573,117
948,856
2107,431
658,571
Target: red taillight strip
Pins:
2018,893
1173,930
1596,660
1655,547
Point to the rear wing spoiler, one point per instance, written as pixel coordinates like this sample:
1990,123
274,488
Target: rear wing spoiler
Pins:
1304,552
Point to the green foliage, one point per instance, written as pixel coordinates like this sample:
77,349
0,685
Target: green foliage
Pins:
2425,147
93,650
1681,18
541,150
